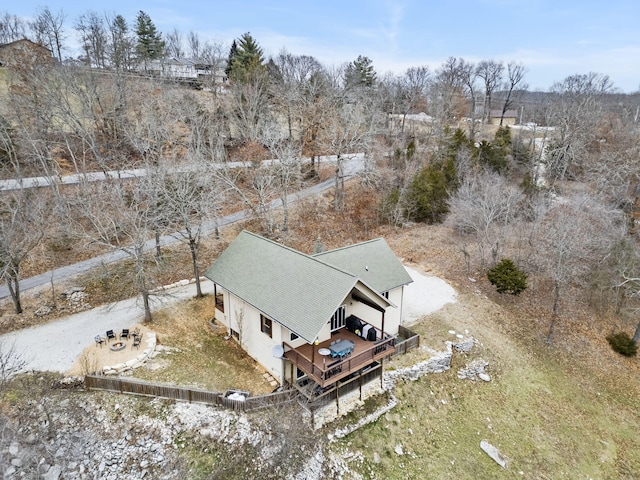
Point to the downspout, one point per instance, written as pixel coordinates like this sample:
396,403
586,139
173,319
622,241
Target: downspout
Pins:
401,302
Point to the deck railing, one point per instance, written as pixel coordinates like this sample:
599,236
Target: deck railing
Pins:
318,397
334,370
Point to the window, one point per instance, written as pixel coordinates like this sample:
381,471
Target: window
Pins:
265,325
338,318
220,302
385,294
293,336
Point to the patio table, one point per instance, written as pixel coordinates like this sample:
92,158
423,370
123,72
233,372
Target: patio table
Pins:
341,348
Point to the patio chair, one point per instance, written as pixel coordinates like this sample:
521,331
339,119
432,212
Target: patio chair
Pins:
136,341
110,335
124,334
99,340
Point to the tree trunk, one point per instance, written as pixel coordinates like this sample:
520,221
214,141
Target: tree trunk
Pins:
285,212
636,336
556,308
141,280
147,307
13,284
196,272
339,195
158,252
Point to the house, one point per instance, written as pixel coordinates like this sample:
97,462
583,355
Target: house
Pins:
24,52
187,70
510,117
288,309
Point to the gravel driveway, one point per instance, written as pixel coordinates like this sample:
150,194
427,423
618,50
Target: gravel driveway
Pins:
55,346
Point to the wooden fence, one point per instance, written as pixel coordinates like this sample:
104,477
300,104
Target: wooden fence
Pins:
407,340
191,395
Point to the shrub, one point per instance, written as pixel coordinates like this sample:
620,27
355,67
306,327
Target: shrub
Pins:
622,343
429,190
507,278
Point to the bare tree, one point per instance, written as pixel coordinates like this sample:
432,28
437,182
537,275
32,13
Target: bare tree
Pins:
173,44
346,132
188,202
48,29
485,205
121,216
575,111
11,362
575,236
93,35
194,44
286,169
292,76
448,91
12,28
515,81
21,228
251,106
490,72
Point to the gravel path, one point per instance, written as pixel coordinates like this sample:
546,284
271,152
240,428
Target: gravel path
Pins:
55,346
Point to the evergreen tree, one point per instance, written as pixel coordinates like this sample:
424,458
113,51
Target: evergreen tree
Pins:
507,278
150,44
429,190
121,44
248,60
233,53
360,73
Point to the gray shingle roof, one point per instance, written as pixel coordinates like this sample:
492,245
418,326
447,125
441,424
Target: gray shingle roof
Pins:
374,262
294,289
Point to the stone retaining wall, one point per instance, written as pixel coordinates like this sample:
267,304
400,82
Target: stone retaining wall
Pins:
150,346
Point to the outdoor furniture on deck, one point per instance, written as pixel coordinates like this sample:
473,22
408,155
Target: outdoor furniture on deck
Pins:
342,348
136,341
111,335
124,334
99,340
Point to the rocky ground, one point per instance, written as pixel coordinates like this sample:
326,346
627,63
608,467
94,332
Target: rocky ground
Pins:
62,431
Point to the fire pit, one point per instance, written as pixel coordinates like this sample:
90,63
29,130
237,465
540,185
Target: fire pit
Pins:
117,346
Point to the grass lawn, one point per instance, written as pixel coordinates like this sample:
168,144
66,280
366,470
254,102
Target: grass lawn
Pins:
204,359
549,416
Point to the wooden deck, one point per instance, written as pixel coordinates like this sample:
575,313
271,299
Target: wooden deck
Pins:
325,370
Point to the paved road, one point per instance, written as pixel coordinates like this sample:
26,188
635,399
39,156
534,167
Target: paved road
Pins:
351,168
37,182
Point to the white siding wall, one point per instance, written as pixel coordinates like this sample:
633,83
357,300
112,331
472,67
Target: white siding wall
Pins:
245,319
374,317
393,314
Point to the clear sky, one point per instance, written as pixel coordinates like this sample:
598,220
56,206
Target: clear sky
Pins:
552,38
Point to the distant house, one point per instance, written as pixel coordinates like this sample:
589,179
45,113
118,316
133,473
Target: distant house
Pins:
187,69
290,310
24,52
510,117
